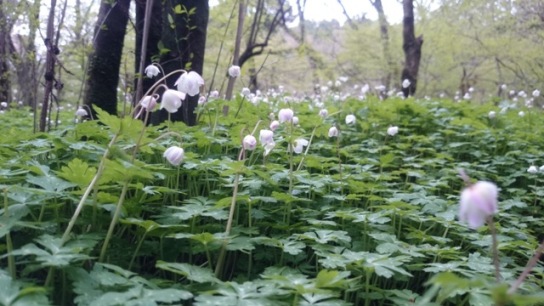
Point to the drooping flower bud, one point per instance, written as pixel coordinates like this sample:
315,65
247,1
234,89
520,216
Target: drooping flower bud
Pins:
174,155
285,115
478,202
249,142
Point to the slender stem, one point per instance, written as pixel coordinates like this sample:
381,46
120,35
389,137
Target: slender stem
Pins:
530,265
113,221
145,38
88,190
495,248
9,243
136,251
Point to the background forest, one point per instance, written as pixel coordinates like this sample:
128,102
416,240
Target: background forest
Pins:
471,43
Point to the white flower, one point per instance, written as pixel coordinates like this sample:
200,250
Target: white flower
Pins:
271,116
541,169
522,94
174,155
532,169
171,100
149,102
190,83
504,87
478,202
406,83
350,119
245,91
214,94
152,71
521,113
365,89
4,104
249,142
323,113
274,125
285,115
471,89
81,112
393,130
266,137
380,88
300,143
492,114
201,100
536,93
333,132
295,120
234,71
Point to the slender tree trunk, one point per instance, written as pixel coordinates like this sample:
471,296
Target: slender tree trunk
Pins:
153,39
384,35
185,39
5,83
105,61
236,53
412,49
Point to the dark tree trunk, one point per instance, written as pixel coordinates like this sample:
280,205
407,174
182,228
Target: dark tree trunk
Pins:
155,29
5,83
104,62
412,49
186,41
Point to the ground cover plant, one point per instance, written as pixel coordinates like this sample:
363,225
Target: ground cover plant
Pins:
348,201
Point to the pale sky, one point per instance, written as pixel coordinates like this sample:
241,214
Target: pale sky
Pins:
319,10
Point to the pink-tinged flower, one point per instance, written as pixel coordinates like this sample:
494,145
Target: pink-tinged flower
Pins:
202,100
350,119
234,71
274,125
149,102
81,112
152,71
333,132
393,130
214,94
300,143
171,100
190,83
249,142
285,115
174,155
323,113
295,120
478,202
266,137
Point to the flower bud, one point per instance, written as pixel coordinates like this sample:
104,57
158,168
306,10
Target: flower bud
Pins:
174,155
478,202
249,142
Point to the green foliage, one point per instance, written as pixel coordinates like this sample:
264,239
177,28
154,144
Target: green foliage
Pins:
361,218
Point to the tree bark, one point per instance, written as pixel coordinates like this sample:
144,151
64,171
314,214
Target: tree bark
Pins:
384,35
185,42
153,39
412,49
104,62
5,82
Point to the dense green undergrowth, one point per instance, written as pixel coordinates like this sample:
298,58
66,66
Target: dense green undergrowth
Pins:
365,218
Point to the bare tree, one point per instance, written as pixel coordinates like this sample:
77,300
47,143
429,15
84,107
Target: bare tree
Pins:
412,49
384,35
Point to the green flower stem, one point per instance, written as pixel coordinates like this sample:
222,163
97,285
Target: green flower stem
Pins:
495,248
530,265
9,242
307,148
95,179
136,251
113,221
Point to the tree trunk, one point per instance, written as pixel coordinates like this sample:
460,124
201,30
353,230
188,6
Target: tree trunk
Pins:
384,35
412,49
5,83
153,39
185,40
104,62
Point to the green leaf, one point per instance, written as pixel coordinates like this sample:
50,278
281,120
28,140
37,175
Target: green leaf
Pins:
193,273
13,293
78,172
